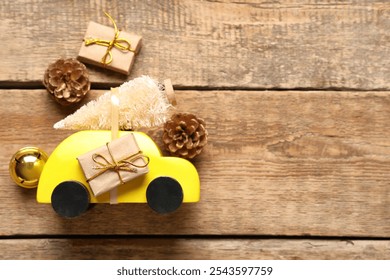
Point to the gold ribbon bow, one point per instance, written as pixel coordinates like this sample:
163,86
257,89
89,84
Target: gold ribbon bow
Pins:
125,164
119,43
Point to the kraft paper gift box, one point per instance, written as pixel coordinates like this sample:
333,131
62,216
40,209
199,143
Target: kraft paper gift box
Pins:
96,42
113,164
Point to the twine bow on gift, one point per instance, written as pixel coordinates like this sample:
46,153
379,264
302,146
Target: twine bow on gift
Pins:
119,43
127,164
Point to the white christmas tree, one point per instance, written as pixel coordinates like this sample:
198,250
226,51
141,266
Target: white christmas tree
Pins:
143,103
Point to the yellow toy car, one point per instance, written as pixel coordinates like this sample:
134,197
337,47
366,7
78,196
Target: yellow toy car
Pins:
170,181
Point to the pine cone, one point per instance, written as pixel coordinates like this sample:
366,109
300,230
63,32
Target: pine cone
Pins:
185,135
67,80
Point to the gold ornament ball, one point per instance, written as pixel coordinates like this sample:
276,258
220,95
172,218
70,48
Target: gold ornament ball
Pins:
26,166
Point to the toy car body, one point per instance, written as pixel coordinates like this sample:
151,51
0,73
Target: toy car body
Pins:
169,182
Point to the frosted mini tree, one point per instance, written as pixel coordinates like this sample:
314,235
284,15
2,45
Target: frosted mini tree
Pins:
143,103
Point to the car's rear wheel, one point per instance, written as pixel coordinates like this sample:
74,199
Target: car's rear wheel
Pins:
164,195
70,199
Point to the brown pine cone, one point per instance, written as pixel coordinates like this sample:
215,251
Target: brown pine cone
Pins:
67,80
185,135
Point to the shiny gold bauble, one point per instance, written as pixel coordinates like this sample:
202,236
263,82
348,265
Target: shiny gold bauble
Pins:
26,166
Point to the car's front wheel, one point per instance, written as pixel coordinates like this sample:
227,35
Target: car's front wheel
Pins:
70,199
164,195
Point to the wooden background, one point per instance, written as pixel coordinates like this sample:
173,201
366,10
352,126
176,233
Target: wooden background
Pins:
296,96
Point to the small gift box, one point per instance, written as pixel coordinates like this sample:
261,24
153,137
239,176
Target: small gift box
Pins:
113,164
108,47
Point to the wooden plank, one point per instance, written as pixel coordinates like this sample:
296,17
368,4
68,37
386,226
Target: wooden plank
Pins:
284,44
179,248
277,163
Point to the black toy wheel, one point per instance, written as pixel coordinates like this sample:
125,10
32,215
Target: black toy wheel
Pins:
164,195
70,199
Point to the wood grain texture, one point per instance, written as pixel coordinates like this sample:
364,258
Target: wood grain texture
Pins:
195,249
278,163
237,44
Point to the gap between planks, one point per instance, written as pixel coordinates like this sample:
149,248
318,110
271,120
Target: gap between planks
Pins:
36,85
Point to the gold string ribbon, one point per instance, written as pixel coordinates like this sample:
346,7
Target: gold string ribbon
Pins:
119,43
127,164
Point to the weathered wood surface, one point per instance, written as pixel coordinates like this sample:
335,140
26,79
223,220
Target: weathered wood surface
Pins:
197,249
237,44
281,164
277,163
